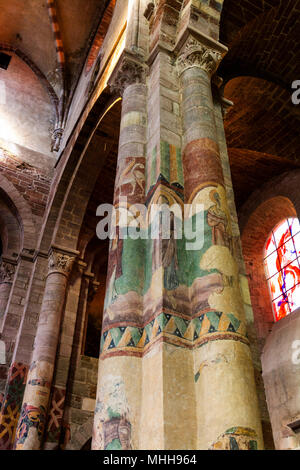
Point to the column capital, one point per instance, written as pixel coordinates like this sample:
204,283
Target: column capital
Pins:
130,70
194,53
60,261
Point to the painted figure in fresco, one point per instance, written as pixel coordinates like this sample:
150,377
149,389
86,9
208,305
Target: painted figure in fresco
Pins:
114,270
169,259
217,219
133,175
112,414
117,433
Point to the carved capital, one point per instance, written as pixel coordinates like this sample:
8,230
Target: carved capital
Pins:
195,54
129,71
7,272
60,262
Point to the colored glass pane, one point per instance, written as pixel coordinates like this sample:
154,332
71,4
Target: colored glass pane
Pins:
270,246
286,253
294,226
281,307
282,233
282,257
290,276
275,286
272,265
297,244
294,297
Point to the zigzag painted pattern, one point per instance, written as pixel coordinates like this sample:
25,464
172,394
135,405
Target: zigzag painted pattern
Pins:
174,329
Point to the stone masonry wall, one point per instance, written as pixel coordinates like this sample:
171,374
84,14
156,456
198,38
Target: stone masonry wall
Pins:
81,398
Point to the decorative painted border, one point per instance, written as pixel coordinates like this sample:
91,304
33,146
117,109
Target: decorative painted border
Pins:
12,403
173,329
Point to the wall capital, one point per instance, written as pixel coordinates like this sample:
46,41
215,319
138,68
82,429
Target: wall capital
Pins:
130,70
196,54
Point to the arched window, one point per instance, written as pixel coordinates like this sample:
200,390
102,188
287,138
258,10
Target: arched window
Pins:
282,266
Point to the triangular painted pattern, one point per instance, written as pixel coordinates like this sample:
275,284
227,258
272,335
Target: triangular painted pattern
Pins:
172,325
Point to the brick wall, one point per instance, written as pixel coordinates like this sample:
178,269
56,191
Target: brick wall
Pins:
33,184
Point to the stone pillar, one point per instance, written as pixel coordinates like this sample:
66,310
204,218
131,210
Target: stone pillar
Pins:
226,403
63,367
116,424
31,424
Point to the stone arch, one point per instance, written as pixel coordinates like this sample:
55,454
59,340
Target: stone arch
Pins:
81,185
22,213
250,42
82,436
285,185
264,209
106,16
69,164
256,124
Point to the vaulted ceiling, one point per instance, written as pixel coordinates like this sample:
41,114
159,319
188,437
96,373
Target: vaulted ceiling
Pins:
28,26
48,42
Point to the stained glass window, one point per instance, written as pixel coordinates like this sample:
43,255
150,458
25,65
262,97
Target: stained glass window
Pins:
282,265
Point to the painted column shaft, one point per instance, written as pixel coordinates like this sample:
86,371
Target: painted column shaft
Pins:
227,408
57,410
31,424
119,378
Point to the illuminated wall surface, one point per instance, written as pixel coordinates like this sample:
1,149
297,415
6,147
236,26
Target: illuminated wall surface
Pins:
282,266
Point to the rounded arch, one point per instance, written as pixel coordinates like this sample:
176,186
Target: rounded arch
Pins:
79,174
261,221
21,215
262,119
248,33
285,185
48,87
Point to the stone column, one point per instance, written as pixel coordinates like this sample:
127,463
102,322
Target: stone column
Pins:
116,424
226,402
64,366
31,424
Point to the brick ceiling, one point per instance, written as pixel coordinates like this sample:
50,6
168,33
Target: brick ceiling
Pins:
25,25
